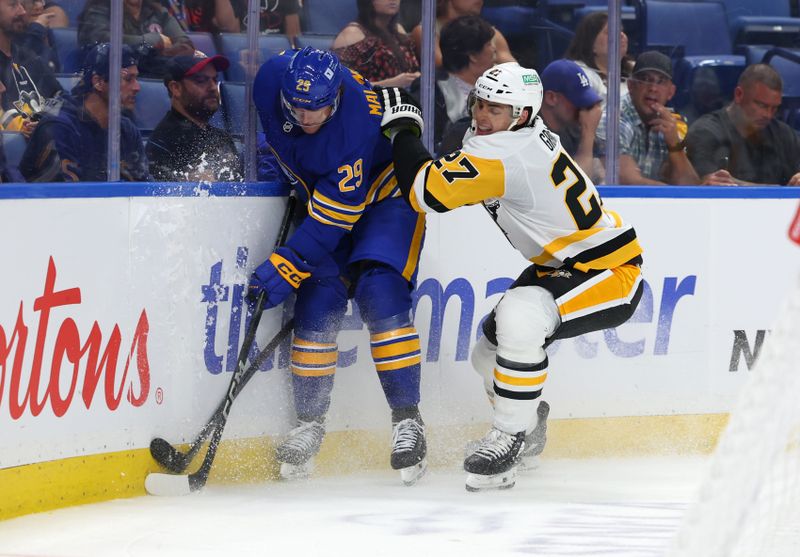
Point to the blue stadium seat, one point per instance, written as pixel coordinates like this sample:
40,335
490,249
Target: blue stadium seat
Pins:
152,103
328,17
762,22
69,53
694,35
787,63
322,42
569,12
233,108
14,146
204,42
234,46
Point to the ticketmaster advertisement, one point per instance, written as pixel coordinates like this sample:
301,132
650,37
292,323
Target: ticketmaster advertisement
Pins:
121,319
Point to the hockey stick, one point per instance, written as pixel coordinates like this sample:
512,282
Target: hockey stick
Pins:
172,484
161,450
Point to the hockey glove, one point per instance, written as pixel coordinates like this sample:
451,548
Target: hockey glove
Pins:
400,112
278,276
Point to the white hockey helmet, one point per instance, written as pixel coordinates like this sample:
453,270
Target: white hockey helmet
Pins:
511,84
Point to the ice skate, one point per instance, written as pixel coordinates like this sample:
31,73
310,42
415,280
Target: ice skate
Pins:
296,453
493,465
409,450
535,440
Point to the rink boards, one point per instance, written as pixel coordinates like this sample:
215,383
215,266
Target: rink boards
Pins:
122,310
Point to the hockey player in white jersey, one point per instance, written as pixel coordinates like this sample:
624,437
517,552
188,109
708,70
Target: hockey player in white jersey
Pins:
585,261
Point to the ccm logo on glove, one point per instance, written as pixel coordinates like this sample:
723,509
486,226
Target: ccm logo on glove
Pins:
288,271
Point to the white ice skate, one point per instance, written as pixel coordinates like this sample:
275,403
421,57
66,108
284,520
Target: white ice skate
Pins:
493,465
409,450
535,440
296,453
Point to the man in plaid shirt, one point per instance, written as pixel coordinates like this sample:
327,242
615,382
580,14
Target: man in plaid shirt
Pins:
652,149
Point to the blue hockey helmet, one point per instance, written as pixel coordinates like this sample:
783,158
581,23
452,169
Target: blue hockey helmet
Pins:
311,82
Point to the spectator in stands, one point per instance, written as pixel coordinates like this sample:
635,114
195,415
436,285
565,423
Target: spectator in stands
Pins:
705,94
59,16
277,16
207,16
38,36
467,52
572,109
230,16
589,49
376,46
28,81
184,146
651,135
447,10
70,143
146,25
12,120
410,13
743,143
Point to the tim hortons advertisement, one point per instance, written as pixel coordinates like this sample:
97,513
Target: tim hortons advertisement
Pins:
121,320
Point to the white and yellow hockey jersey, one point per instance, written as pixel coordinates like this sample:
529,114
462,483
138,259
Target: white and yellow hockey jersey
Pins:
542,201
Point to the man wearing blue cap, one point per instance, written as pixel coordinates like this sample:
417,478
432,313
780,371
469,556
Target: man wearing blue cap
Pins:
572,109
184,146
70,142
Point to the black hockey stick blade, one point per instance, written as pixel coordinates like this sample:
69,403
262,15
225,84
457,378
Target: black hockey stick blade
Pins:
170,485
182,484
173,460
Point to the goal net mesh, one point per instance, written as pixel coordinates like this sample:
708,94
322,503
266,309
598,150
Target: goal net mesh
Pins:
749,502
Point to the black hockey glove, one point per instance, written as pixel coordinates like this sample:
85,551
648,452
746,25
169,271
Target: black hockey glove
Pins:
400,112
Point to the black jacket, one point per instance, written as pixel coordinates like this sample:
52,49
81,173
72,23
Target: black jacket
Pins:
179,150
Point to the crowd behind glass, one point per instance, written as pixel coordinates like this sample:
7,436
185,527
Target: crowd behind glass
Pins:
687,114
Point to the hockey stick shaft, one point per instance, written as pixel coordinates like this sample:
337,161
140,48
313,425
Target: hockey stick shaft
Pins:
161,450
171,484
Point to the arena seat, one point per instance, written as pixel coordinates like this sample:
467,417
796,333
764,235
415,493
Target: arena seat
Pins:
69,53
787,63
204,42
234,46
152,103
693,35
233,108
322,42
762,22
328,17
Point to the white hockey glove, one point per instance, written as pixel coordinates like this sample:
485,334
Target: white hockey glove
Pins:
400,112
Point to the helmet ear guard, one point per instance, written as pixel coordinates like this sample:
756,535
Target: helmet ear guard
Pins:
312,81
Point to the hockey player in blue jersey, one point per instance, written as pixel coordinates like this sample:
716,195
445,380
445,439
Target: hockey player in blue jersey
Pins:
360,239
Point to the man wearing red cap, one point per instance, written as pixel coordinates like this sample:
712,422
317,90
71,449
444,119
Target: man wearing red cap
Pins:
184,146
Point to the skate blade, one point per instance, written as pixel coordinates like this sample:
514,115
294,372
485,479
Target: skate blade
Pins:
293,472
412,474
479,482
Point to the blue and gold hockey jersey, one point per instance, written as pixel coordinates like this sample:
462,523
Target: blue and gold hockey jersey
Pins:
340,170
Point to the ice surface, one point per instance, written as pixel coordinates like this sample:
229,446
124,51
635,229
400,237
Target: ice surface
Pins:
619,507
